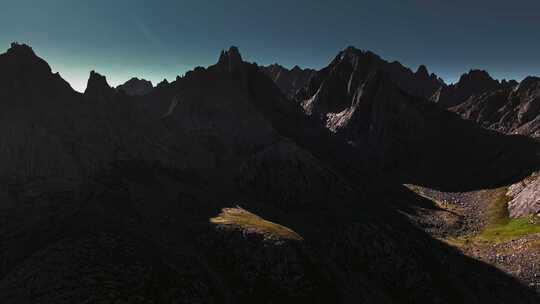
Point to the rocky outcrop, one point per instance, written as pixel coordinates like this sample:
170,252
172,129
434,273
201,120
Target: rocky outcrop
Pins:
163,83
136,87
231,59
473,83
289,81
514,109
97,87
525,197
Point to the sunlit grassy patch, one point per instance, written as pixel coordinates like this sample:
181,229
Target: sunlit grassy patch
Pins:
500,227
513,229
242,219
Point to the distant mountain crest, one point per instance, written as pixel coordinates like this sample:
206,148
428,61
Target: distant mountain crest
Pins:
475,82
289,81
509,108
136,87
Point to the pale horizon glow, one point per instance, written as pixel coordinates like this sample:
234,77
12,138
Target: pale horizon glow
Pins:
164,38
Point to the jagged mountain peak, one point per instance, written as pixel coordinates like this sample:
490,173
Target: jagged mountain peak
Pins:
351,48
475,75
528,82
21,49
132,79
506,106
352,54
230,59
98,86
422,71
354,51
22,69
289,81
97,78
25,57
136,87
509,83
295,69
473,83
335,87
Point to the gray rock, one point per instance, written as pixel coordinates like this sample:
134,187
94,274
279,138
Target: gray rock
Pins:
525,198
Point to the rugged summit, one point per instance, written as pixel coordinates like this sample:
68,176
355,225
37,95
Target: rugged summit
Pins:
473,83
97,86
333,88
22,71
289,81
525,197
514,109
136,87
231,59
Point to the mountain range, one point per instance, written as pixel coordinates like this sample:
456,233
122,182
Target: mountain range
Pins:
238,183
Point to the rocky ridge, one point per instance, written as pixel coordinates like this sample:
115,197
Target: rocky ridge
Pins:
512,110
136,87
473,83
289,81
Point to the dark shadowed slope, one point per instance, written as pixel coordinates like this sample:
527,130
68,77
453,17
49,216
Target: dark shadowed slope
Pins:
108,198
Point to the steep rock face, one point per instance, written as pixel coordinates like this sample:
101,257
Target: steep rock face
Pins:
97,87
513,110
289,81
473,83
136,87
525,197
485,108
333,88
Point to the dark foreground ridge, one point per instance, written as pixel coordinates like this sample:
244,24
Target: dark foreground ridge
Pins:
113,197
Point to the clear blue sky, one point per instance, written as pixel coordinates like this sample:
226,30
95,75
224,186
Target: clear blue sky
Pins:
164,38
